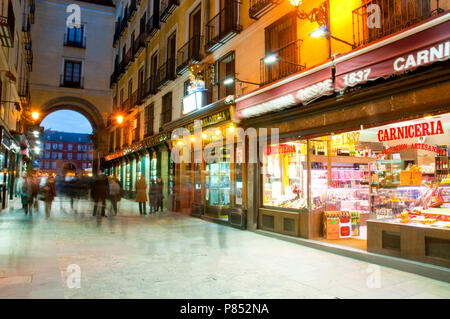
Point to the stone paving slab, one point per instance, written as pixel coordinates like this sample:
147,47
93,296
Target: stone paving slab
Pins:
176,256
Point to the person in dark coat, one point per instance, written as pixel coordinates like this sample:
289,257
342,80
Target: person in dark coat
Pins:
152,196
99,193
159,194
50,193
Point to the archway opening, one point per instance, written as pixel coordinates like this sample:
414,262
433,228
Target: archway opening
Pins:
66,147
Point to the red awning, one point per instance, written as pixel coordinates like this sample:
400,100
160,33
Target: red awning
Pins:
299,88
406,51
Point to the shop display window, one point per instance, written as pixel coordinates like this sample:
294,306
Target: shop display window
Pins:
217,182
284,175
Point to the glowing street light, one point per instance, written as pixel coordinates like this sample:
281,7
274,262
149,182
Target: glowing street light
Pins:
228,81
119,119
35,115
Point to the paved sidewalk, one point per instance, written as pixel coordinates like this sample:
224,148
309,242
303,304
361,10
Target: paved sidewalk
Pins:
176,256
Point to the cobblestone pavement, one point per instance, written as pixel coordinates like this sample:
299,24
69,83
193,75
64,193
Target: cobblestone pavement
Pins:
175,256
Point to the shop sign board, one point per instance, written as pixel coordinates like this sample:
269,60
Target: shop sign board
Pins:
211,120
279,149
411,131
304,88
430,44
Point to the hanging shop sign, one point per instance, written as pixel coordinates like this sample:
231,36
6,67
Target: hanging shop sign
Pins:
6,142
213,119
194,101
411,131
420,46
302,88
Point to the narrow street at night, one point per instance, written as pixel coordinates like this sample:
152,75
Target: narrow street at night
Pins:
175,256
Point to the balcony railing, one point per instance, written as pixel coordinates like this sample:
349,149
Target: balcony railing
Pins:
258,8
132,9
128,58
149,86
7,28
396,15
166,73
152,26
116,32
288,62
72,83
75,43
26,28
123,23
32,10
190,52
139,43
167,8
24,91
29,61
224,26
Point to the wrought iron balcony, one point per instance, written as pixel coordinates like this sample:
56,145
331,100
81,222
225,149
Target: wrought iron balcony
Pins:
24,91
224,26
139,43
29,61
123,23
132,9
149,86
258,8
167,8
72,83
7,28
116,33
288,62
152,26
166,73
128,58
32,10
396,15
26,28
75,43
190,52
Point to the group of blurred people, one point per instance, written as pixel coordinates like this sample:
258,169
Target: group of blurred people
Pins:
101,188
155,195
31,191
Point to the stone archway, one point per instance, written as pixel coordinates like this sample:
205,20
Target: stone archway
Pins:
92,114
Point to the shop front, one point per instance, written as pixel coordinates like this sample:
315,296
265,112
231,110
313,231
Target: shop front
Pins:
362,158
210,184
148,158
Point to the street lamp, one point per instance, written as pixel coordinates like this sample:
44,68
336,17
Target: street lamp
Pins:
35,115
119,119
231,79
323,32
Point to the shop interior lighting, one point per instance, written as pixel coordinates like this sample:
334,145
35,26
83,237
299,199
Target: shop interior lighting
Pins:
231,128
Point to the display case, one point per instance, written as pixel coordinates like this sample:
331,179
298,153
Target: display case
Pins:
217,182
387,202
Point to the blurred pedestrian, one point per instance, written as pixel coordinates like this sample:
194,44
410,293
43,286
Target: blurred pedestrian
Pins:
99,192
141,194
49,193
159,193
26,196
114,193
34,191
152,196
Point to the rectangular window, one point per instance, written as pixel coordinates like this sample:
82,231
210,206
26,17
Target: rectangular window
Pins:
149,119
48,146
47,155
75,37
166,113
59,155
60,147
79,148
84,156
54,155
225,69
47,165
69,147
72,74
69,156
79,156
53,165
55,146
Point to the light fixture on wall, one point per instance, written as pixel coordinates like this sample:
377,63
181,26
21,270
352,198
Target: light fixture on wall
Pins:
231,79
323,32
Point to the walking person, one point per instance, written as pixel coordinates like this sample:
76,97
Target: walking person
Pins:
50,193
152,196
26,195
141,194
99,192
114,193
159,193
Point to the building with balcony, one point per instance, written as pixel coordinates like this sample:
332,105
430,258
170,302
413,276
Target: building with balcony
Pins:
73,61
16,61
329,75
